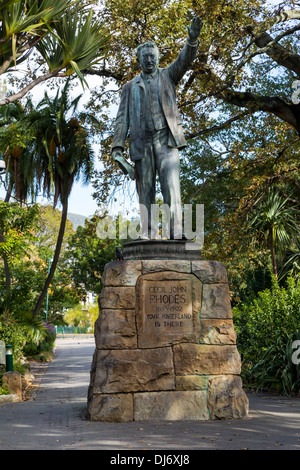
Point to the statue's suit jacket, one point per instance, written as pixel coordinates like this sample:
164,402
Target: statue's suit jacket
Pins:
131,114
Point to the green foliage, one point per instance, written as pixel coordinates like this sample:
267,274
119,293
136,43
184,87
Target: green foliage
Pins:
16,229
276,368
82,316
276,219
36,232
20,277
62,153
43,348
16,137
17,238
76,44
4,391
11,332
88,256
66,34
266,327
24,20
29,271
46,231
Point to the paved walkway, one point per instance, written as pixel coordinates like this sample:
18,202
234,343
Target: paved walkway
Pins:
55,419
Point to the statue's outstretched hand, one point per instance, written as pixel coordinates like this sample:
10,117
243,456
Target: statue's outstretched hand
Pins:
195,28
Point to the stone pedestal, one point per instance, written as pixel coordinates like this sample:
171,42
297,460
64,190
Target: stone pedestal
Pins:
165,344
13,381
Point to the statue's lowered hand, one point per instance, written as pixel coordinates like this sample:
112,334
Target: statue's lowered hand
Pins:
124,165
195,28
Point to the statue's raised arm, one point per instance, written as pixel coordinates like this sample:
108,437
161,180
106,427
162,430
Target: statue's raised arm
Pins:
188,54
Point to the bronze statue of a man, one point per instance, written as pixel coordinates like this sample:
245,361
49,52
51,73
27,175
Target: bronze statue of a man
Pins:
149,113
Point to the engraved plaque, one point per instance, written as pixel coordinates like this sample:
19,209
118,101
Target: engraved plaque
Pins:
168,309
168,306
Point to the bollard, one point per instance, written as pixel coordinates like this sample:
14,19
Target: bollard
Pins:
9,358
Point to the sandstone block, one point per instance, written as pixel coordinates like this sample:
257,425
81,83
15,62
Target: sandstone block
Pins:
117,297
217,332
202,359
216,301
13,381
181,405
152,266
111,408
122,273
226,398
134,370
210,272
11,398
192,382
115,329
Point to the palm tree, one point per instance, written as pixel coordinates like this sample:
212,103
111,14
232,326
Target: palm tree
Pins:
63,155
15,146
276,220
15,141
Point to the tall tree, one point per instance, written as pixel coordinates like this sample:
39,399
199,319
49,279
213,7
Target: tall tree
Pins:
242,74
15,146
64,155
236,103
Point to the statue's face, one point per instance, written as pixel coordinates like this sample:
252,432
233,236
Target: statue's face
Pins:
149,59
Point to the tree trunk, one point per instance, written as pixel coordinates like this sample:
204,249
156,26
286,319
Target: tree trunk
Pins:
55,258
7,275
273,254
8,192
6,265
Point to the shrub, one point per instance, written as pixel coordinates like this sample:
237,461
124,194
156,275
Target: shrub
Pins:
46,345
49,340
276,368
11,332
265,331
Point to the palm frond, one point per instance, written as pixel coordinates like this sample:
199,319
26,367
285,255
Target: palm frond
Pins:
77,41
26,22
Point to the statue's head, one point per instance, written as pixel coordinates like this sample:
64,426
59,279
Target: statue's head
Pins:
148,57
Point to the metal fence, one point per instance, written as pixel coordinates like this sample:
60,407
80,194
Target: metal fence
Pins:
72,330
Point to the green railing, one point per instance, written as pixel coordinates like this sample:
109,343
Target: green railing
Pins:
72,330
